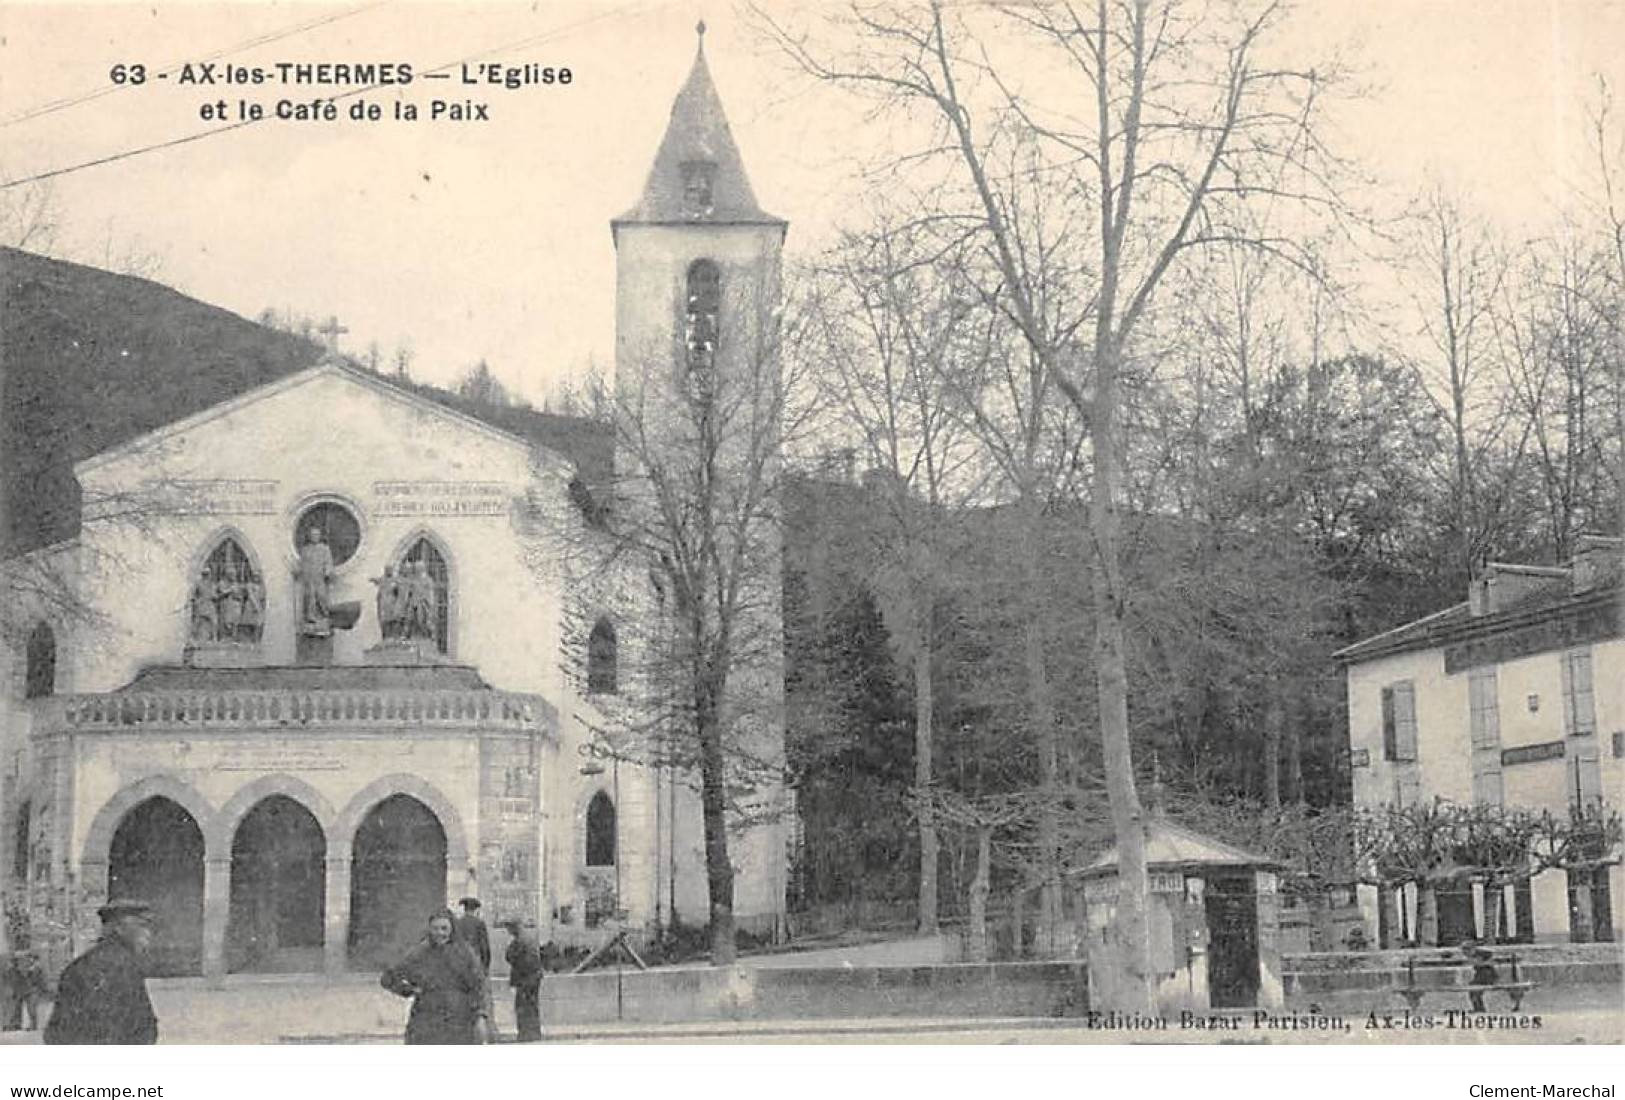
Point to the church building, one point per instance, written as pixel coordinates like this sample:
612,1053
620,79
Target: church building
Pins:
299,653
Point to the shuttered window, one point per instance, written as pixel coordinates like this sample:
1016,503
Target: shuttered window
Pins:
1484,717
1579,701
1399,722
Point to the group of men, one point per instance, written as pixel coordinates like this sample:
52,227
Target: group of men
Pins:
406,602
227,608
102,995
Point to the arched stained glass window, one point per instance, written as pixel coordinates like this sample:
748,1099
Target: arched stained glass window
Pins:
600,831
602,658
425,595
228,597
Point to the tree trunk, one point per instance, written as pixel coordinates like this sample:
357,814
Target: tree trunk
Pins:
1041,713
976,928
1427,915
1272,753
924,716
719,873
1134,984
1294,752
1018,922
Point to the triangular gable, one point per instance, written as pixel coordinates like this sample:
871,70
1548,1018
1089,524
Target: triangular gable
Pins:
326,369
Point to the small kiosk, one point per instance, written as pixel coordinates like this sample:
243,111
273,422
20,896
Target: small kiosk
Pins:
1214,917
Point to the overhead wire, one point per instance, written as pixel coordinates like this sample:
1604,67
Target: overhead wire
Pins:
261,40
215,131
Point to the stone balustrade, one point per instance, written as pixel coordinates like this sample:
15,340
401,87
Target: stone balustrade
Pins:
258,709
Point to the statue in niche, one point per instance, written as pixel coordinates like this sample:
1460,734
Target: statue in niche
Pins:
314,571
391,604
253,616
420,602
205,609
230,594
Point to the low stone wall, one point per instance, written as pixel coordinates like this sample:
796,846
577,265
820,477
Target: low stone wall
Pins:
1544,964
1028,989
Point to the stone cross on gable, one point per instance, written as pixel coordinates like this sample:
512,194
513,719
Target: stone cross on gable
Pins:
330,331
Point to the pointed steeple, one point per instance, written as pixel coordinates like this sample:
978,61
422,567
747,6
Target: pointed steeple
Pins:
698,176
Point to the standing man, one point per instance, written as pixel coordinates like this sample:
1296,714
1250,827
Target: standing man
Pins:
102,996
471,930
524,957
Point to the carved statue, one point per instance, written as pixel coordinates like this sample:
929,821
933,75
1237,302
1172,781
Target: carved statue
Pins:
314,571
205,612
229,593
253,608
391,592
420,602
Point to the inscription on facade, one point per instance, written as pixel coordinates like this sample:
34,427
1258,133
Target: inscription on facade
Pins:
440,498
277,756
1529,754
192,497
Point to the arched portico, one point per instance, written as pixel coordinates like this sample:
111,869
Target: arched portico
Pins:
390,838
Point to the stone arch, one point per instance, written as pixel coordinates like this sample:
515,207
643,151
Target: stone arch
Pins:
442,548
238,806
601,826
425,792
220,534
99,837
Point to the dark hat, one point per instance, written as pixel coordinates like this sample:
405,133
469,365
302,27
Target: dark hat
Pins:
469,903
124,907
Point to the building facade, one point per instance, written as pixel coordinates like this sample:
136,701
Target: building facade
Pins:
1515,698
320,658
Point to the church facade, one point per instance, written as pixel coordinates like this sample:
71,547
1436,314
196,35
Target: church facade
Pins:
322,659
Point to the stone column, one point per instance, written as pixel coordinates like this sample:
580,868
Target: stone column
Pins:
216,910
336,937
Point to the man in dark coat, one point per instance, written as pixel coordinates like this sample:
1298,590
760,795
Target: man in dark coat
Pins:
524,957
451,998
471,930
102,995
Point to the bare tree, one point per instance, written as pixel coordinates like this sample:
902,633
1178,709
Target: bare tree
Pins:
1173,125
689,531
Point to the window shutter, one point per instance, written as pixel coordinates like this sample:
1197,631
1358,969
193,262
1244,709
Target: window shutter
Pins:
1388,742
1405,721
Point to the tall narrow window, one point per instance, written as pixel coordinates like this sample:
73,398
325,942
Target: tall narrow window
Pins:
701,316
1483,715
41,671
21,843
1399,722
600,831
602,657
424,600
1579,701
228,597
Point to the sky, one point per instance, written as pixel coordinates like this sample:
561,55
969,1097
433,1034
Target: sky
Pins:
490,239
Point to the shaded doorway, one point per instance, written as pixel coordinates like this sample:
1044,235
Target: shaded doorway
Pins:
397,879
157,857
1232,921
278,890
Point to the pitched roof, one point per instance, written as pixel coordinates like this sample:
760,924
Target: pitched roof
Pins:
698,132
90,360
1171,845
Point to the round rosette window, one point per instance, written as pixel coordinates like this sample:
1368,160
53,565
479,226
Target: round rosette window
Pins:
338,526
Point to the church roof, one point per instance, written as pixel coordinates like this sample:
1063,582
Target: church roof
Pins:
1168,846
698,132
91,360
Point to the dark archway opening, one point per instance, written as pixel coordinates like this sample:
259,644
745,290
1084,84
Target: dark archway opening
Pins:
278,890
397,879
157,857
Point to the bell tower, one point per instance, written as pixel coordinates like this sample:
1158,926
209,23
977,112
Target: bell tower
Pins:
696,363
697,260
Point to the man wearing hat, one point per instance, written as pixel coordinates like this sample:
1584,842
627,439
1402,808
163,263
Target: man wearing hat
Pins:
524,957
471,930
102,996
